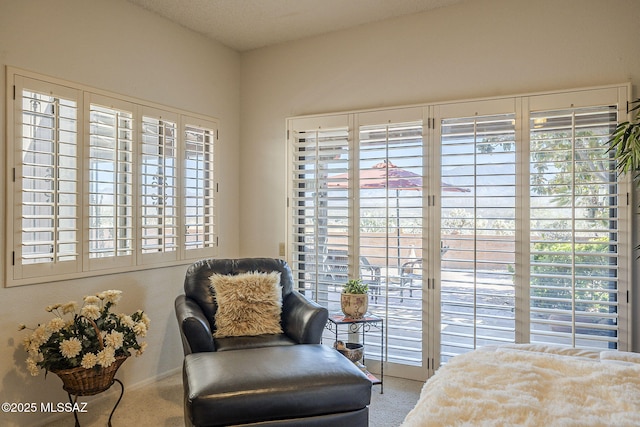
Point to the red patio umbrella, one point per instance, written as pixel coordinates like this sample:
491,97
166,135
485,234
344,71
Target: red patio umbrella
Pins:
387,175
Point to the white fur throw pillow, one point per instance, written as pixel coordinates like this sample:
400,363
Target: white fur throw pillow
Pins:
248,304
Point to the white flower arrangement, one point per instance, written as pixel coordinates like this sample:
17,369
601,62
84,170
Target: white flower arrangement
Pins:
91,337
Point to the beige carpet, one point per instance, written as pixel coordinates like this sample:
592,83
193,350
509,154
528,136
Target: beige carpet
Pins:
160,404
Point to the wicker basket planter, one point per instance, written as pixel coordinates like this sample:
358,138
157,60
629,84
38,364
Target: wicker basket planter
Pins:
87,382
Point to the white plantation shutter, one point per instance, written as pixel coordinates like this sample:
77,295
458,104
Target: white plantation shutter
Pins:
102,183
478,232
111,183
199,187
574,233
390,193
396,200
326,249
320,209
158,180
522,224
46,180
562,225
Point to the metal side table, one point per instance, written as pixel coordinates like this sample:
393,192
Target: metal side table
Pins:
362,325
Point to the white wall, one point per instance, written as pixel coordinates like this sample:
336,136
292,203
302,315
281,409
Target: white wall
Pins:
478,48
115,46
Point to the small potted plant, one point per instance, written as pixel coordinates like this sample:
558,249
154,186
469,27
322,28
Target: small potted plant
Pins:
354,299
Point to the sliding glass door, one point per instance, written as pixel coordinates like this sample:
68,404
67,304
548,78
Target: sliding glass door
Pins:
532,249
474,223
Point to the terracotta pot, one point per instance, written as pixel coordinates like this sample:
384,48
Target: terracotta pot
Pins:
354,305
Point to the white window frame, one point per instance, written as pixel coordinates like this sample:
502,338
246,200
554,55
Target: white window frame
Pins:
17,273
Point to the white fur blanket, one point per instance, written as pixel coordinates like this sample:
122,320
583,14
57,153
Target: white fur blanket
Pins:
521,387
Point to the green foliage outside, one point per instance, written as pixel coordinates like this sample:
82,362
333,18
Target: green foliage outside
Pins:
592,285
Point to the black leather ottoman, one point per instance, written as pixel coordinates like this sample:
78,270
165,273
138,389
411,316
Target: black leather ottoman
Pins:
298,385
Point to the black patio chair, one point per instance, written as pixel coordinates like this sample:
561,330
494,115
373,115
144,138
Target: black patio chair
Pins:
370,275
336,264
410,277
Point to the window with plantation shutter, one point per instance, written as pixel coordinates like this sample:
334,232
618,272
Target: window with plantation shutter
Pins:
357,212
320,210
390,235
111,174
478,232
47,212
158,186
199,186
101,183
574,233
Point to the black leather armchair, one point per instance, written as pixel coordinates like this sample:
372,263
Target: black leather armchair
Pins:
302,320
267,380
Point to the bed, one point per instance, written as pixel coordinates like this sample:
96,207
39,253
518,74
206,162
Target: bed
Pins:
532,385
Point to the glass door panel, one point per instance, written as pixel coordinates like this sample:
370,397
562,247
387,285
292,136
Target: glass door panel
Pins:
391,233
574,215
478,231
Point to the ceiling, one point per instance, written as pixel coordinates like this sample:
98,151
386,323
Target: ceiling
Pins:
250,24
